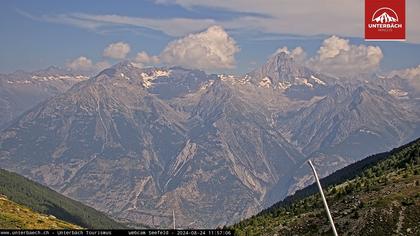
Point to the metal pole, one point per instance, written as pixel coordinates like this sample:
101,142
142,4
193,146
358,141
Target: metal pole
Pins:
173,218
323,199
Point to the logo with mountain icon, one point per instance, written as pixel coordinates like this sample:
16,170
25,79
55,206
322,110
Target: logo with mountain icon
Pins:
385,20
385,15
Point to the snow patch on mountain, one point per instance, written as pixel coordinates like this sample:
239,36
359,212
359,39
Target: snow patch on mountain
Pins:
224,77
207,84
304,81
149,77
318,81
368,132
244,80
19,82
284,85
397,93
59,77
265,82
234,79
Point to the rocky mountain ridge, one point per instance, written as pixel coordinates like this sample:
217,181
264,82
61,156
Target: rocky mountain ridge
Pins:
138,143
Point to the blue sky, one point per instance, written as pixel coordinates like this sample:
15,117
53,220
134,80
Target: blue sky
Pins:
37,34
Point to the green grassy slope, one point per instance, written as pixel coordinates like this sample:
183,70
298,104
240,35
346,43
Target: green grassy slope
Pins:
15,216
379,195
46,201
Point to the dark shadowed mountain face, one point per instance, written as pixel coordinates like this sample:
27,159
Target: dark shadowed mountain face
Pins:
21,91
139,143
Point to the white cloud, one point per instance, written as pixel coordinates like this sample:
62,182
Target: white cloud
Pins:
344,17
337,56
298,54
207,50
85,65
332,47
210,49
170,26
101,65
411,74
280,50
117,50
144,58
80,64
66,19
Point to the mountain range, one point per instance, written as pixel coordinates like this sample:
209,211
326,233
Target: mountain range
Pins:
20,91
138,143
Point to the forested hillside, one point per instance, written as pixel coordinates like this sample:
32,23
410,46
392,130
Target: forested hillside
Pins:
379,195
44,200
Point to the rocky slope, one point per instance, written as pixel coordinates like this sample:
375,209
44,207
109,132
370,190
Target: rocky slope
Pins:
139,143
